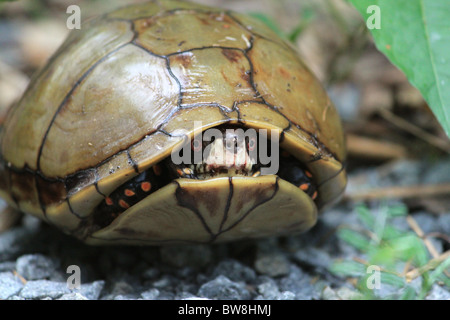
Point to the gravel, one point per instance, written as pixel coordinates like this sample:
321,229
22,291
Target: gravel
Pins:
35,266
223,288
235,271
10,285
40,289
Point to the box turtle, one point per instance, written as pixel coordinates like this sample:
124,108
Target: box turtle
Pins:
90,146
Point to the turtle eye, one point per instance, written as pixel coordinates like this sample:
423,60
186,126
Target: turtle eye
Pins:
251,144
196,145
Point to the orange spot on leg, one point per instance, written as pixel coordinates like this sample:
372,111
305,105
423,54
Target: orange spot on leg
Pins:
123,204
314,196
308,174
146,186
109,201
129,193
304,186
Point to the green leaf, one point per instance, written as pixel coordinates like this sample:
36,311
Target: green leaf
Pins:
408,294
439,271
398,210
355,239
366,216
392,279
415,36
306,17
410,247
348,268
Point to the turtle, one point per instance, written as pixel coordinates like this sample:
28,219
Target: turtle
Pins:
93,146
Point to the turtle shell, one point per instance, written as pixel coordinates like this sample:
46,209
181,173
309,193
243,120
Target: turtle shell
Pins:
110,103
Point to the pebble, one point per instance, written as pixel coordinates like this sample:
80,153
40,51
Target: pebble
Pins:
438,172
13,242
274,265
268,290
313,257
438,293
7,266
222,288
35,266
427,222
298,282
444,223
151,294
91,290
72,296
235,271
40,289
343,293
10,285
346,97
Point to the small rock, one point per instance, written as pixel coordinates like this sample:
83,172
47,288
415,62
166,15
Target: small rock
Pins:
7,266
342,293
273,265
286,295
151,294
39,289
121,287
438,293
437,172
124,297
235,271
298,282
400,223
427,222
402,173
268,290
346,97
345,293
223,288
35,266
72,296
186,286
163,282
444,222
181,256
185,295
13,242
329,294
186,272
166,295
91,290
313,257
10,285
194,298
